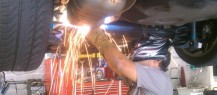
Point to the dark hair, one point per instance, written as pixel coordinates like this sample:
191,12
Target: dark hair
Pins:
165,62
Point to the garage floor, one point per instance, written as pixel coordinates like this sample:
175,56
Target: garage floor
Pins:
18,81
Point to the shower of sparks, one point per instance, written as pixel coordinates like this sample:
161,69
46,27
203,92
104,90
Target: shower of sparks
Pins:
64,19
76,38
112,39
82,76
125,45
90,66
64,74
124,41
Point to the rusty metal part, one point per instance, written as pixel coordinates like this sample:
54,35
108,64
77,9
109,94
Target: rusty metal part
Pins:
93,12
170,12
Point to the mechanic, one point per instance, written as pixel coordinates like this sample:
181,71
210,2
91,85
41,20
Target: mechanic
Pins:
146,66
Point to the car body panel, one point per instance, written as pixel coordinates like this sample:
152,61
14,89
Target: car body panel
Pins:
170,12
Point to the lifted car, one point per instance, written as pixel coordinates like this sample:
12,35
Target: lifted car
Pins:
190,24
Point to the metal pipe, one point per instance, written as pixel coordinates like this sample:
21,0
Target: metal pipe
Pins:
195,42
194,34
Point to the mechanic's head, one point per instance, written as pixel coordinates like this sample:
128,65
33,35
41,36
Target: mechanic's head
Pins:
152,48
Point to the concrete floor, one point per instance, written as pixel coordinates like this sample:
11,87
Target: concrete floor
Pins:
19,79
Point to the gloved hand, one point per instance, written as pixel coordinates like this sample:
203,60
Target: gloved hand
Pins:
99,39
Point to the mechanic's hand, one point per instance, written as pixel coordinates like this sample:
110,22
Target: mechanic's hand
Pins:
99,39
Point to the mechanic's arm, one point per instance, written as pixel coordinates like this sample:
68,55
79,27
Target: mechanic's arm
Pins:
117,61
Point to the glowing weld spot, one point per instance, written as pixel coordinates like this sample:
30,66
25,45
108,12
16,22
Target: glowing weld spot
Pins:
84,30
109,19
64,19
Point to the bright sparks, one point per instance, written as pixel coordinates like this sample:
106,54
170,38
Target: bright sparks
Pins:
64,19
64,74
84,30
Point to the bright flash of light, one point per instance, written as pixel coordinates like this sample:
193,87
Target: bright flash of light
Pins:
103,26
84,30
109,19
64,19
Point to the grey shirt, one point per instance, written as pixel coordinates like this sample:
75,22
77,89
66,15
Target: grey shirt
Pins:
151,81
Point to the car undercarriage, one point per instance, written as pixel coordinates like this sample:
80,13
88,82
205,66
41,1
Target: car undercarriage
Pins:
189,24
26,37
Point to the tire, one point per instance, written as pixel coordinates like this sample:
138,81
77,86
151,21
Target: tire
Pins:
210,58
206,57
24,29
